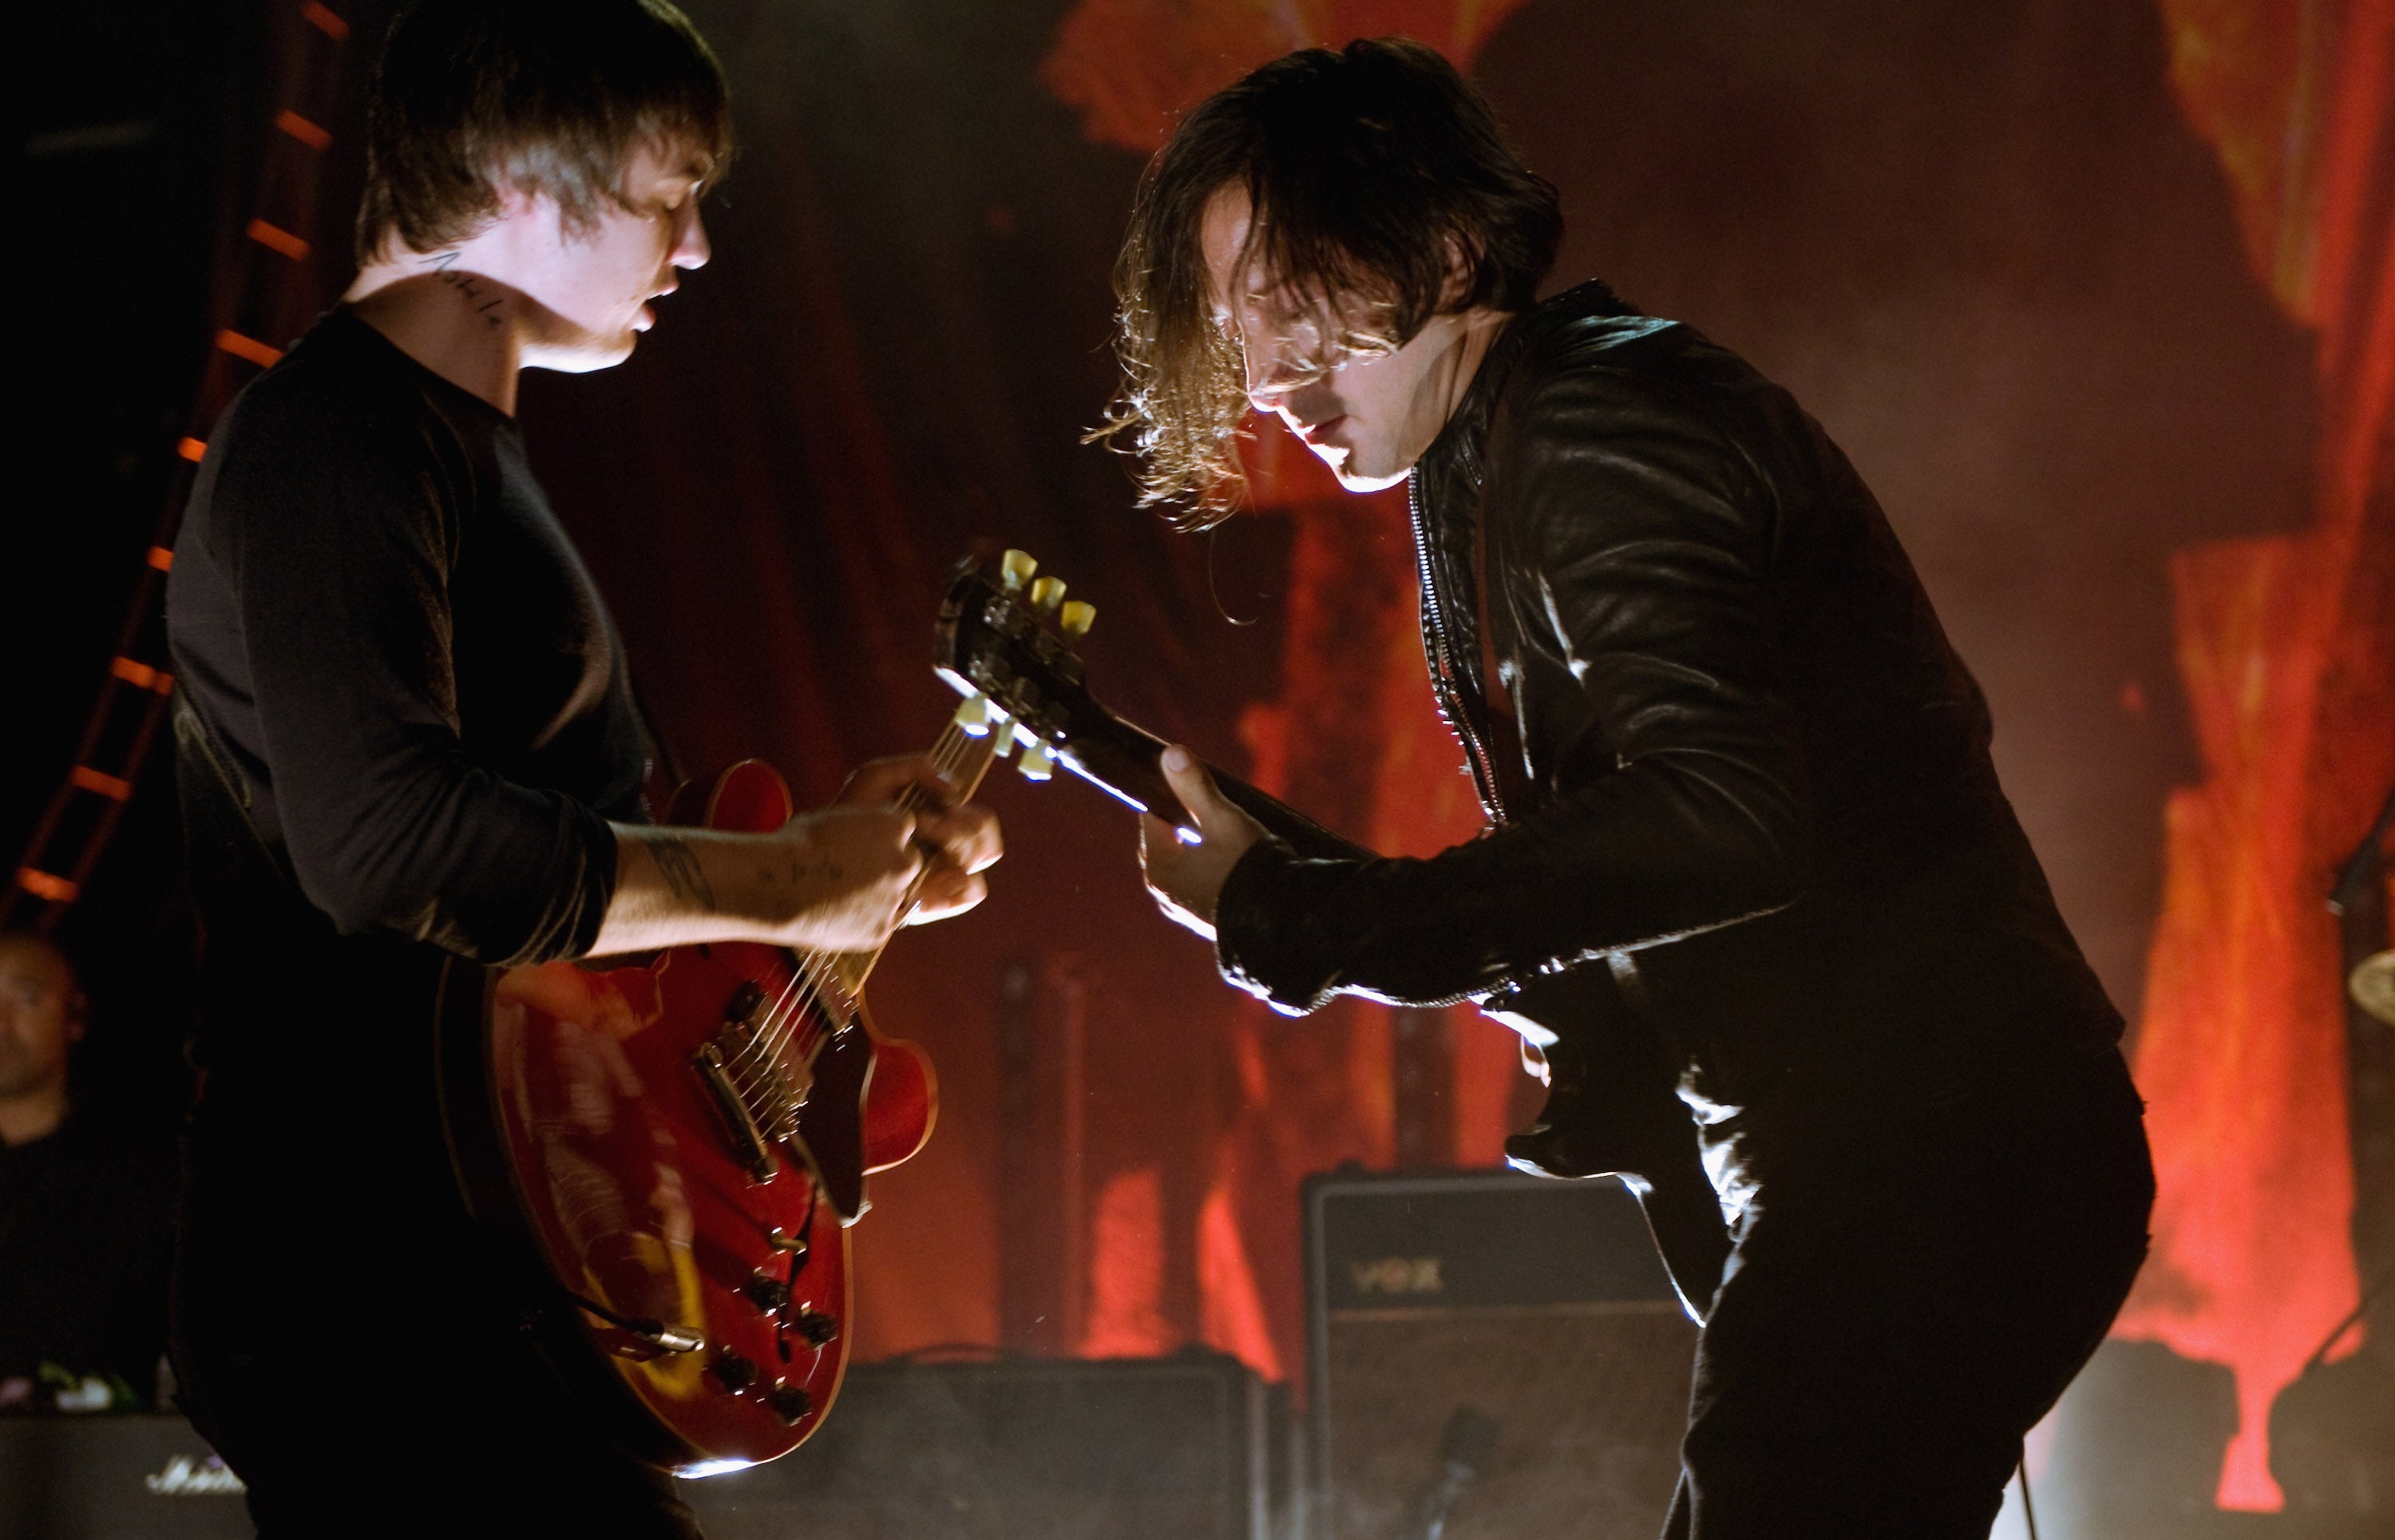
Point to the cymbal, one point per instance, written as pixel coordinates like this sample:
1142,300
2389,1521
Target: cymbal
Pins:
2373,986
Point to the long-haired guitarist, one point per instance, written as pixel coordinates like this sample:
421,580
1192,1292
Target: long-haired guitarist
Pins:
1746,842
408,732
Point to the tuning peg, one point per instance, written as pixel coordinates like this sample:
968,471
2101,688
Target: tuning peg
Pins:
1003,743
1015,568
1047,593
972,717
1075,617
1038,762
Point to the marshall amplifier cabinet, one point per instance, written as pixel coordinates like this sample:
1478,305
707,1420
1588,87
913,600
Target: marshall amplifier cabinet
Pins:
1492,1355
1189,1447
1192,1447
117,1478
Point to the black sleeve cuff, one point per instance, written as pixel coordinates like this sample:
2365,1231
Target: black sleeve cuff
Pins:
597,884
567,923
1261,942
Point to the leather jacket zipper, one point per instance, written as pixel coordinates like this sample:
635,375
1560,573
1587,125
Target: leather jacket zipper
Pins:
1450,699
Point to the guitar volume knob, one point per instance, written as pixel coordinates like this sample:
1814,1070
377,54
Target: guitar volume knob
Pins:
766,1292
737,1373
790,1402
820,1329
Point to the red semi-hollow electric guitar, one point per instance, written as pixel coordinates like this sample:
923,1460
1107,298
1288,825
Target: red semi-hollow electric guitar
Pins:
668,1152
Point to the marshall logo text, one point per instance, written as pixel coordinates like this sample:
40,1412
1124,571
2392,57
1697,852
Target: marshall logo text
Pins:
185,1477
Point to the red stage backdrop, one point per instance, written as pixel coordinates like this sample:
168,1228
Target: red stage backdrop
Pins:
1132,67
2286,646
2100,294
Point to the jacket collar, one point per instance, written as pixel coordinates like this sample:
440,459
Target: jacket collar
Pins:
1458,447
1445,497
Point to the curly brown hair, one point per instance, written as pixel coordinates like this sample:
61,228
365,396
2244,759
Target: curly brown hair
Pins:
552,97
1373,171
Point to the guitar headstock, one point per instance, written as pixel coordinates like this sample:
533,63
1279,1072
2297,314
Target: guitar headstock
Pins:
1005,643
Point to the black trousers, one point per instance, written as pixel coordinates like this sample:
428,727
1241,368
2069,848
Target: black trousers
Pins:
1898,1311
376,1385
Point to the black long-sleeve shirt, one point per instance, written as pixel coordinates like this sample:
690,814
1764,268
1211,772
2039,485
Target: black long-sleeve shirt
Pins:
391,652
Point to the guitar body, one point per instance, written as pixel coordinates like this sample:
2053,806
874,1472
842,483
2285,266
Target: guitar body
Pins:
670,1154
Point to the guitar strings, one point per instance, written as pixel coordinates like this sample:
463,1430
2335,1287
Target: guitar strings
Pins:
812,971
815,978
816,973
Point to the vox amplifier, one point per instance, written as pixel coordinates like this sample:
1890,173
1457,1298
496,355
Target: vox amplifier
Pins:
1490,1355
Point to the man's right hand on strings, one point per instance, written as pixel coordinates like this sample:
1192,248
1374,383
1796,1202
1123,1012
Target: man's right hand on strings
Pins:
837,879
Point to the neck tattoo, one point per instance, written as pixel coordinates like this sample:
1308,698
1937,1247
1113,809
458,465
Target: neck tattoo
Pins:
479,294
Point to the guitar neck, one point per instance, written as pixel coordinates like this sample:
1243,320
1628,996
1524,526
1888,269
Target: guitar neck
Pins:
995,646
1123,758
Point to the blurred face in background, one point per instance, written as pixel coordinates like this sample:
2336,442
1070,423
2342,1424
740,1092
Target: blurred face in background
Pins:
41,1016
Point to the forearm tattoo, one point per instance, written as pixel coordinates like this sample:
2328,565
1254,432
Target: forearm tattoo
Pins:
679,865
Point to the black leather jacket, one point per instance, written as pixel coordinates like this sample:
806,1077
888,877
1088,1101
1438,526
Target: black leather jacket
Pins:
1742,812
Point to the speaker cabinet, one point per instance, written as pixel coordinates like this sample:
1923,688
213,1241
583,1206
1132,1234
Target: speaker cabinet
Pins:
1492,1355
1179,1448
1184,1448
121,1478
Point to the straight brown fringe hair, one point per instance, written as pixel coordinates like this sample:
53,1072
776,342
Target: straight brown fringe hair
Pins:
552,97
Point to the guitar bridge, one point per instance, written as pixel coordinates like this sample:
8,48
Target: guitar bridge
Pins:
750,1083
747,1139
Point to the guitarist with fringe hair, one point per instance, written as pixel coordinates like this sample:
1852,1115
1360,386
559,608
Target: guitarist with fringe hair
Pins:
407,732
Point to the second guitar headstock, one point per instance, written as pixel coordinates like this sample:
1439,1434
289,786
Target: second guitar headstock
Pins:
1006,644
